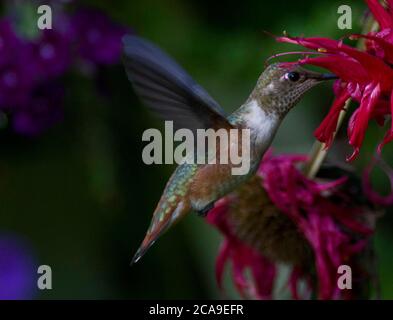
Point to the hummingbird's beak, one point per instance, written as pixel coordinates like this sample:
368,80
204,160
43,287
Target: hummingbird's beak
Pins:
328,76
323,76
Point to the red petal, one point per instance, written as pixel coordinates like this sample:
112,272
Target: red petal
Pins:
380,14
386,46
344,67
314,43
354,155
375,67
238,276
362,116
325,131
264,273
294,278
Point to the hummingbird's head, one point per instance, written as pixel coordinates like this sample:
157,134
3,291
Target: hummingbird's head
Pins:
281,86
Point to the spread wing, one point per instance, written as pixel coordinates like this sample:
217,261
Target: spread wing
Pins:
167,89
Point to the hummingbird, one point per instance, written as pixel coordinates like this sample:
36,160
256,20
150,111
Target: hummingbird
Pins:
169,91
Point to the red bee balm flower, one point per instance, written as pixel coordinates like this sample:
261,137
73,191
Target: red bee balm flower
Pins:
365,76
281,216
242,257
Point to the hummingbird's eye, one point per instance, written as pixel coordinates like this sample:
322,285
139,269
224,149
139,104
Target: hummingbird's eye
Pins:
292,76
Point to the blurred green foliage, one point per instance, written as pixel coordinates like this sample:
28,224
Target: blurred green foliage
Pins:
81,194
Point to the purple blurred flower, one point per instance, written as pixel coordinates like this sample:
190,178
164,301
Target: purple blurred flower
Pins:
8,41
52,53
17,78
17,270
98,37
17,68
28,67
44,109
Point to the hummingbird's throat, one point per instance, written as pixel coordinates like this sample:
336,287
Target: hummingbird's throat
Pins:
263,126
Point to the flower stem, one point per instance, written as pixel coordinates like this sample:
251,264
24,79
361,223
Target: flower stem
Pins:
319,151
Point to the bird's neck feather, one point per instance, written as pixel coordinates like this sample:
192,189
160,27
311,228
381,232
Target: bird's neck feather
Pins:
262,124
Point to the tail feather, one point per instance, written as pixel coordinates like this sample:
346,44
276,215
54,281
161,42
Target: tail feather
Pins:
165,215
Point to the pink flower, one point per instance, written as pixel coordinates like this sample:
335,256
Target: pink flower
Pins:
242,257
365,76
281,216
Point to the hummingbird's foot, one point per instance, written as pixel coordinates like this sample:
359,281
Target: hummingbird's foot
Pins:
203,213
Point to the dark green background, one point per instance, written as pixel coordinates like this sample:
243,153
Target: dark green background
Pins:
80,193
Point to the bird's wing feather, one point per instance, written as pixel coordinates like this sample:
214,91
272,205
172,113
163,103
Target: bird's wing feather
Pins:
167,89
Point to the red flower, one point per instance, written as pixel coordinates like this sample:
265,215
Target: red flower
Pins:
366,76
323,215
242,257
